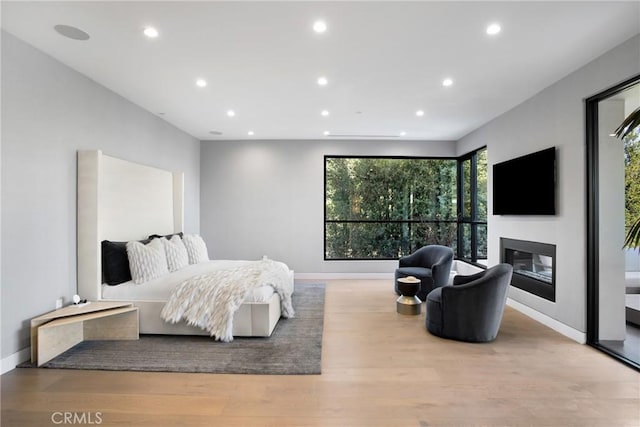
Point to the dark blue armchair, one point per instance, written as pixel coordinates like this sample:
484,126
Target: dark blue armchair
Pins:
471,309
431,264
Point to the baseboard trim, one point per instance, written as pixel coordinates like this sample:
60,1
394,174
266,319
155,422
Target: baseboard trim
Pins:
343,276
9,363
457,266
552,323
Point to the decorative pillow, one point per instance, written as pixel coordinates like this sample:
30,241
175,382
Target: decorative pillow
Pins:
147,261
115,264
196,248
166,236
176,253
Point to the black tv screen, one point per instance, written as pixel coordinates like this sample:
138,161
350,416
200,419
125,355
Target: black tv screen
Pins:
526,185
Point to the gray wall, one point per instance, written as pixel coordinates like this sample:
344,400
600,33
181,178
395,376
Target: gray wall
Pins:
554,117
50,111
611,182
267,198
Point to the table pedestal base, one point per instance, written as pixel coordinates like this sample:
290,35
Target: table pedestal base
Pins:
408,305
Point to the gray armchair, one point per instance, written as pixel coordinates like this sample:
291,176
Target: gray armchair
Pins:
431,264
471,309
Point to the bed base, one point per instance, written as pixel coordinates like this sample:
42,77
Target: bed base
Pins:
253,319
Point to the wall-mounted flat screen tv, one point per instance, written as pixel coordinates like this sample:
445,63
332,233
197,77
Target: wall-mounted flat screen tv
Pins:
526,185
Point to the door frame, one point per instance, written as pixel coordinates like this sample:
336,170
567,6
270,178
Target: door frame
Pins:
593,238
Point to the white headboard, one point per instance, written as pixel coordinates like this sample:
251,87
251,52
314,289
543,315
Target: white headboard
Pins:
121,201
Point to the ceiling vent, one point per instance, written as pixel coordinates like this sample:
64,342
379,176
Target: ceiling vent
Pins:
71,32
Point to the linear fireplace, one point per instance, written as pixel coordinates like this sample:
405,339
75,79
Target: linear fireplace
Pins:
534,266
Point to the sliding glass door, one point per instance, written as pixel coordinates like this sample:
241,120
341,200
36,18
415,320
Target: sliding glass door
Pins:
613,204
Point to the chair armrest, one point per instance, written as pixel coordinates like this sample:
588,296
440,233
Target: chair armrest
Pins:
412,260
463,280
441,268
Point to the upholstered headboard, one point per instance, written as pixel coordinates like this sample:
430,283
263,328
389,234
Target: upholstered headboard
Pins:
120,200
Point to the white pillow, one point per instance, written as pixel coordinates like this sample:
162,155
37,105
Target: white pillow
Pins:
196,248
146,261
176,253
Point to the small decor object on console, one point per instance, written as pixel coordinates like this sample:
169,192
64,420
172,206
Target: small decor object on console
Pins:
77,302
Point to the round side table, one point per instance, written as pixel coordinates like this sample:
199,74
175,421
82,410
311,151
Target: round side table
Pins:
408,302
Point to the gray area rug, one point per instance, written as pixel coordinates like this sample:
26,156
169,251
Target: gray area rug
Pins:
294,348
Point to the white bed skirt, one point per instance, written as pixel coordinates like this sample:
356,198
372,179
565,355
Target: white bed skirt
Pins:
253,319
256,317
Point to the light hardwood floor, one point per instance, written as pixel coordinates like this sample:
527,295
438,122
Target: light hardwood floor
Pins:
379,368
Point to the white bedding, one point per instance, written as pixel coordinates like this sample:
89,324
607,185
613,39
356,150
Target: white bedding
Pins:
210,301
160,288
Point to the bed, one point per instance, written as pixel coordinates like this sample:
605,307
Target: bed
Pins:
123,201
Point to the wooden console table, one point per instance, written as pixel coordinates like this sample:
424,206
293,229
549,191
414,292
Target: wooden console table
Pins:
57,331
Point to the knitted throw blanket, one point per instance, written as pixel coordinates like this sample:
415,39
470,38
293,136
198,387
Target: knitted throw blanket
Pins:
209,301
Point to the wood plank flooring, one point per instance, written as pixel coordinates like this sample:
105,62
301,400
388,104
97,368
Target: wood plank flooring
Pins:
379,368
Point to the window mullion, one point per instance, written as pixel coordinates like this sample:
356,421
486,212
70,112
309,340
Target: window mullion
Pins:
474,206
460,209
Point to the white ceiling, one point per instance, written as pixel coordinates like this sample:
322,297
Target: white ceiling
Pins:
384,60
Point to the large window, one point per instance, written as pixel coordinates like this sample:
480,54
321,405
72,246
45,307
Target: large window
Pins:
472,193
385,208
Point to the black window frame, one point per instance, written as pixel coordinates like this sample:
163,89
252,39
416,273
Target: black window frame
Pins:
472,219
459,220
592,189
349,156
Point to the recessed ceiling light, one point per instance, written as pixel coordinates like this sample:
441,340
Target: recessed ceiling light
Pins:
322,81
326,133
201,82
71,32
403,133
231,113
419,113
320,26
493,29
324,113
150,32
250,133
447,82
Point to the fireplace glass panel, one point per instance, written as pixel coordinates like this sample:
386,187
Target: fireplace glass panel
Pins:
535,266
